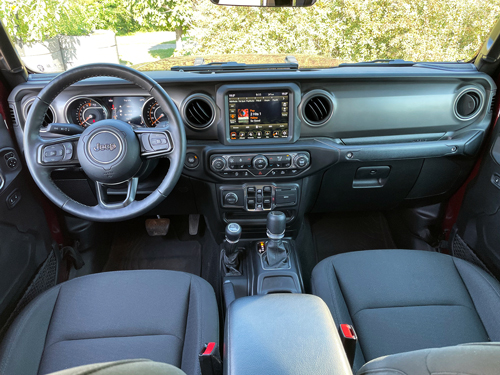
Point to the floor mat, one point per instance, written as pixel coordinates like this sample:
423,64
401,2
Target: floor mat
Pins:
134,249
344,232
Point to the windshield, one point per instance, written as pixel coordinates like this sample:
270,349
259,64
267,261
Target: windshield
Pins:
56,35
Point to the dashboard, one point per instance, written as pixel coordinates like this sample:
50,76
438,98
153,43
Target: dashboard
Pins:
349,138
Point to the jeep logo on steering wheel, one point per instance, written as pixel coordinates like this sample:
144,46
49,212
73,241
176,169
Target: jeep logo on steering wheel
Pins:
105,146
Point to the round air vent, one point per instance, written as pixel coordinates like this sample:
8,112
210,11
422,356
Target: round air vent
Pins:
468,104
199,111
49,116
317,107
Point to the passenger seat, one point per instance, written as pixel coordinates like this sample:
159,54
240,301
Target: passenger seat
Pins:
405,300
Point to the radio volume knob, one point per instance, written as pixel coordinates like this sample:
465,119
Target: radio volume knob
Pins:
260,162
218,164
302,161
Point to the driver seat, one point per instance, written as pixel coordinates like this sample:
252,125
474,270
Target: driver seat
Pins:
165,316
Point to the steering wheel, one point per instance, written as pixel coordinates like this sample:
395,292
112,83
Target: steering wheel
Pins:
110,152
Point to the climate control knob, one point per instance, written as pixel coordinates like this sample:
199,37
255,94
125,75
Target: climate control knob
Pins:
260,162
302,161
218,164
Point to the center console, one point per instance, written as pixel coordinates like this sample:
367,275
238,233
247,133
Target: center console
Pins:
287,334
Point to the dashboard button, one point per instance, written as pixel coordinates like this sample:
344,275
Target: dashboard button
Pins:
13,199
260,162
302,161
251,204
12,163
218,163
230,198
192,160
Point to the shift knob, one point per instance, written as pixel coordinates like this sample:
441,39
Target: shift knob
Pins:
233,232
276,224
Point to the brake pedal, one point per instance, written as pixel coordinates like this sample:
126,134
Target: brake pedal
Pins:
157,227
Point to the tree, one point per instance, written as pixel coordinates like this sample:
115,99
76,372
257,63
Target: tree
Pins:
31,21
165,14
349,30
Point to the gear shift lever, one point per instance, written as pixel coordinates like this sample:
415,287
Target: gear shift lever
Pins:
230,245
276,255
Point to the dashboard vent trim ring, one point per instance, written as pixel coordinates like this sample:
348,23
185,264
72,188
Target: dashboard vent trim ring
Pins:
198,111
474,94
49,118
317,107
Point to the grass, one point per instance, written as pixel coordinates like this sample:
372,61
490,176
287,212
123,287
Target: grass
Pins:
162,53
305,61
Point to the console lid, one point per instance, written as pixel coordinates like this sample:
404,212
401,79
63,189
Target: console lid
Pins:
282,334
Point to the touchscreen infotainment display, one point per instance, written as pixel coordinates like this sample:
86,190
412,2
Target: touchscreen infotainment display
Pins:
258,114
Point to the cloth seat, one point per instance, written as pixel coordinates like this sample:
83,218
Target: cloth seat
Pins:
164,316
405,300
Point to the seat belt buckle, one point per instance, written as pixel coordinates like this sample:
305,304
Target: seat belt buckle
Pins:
210,362
349,338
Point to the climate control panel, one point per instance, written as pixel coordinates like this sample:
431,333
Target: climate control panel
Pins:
269,164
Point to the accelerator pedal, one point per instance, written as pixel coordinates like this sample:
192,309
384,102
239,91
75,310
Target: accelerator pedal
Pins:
194,223
157,227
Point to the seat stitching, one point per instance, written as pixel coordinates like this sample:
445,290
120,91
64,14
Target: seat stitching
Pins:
468,291
423,305
480,274
187,319
21,324
113,337
334,302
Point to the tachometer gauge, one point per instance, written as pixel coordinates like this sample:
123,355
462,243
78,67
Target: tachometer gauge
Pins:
86,112
152,114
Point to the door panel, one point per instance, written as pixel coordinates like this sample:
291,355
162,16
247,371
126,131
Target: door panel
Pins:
24,235
478,222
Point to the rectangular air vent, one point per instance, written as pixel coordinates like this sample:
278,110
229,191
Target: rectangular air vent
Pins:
493,101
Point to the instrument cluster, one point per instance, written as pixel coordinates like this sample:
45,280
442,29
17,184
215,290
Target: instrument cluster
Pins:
135,110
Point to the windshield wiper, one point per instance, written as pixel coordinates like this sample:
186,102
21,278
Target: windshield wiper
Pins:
200,66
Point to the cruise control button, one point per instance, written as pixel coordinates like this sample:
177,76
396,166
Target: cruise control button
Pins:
52,154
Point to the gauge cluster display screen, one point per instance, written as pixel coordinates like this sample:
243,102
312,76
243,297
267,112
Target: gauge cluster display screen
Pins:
258,114
134,110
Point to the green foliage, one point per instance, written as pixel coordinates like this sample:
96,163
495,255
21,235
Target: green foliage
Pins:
349,30
162,53
161,14
31,21
352,30
35,20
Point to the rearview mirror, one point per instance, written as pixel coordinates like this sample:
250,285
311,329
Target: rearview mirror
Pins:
265,3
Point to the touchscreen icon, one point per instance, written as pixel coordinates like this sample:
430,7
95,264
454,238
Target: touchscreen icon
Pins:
233,135
243,117
276,133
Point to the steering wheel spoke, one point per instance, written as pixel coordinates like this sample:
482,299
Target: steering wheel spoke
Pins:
155,142
54,153
103,195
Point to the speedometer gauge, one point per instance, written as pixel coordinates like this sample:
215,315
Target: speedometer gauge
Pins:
85,112
152,113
